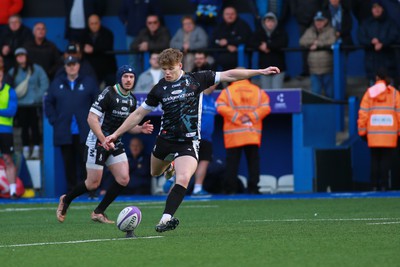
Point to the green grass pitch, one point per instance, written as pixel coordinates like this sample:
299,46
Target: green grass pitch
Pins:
267,232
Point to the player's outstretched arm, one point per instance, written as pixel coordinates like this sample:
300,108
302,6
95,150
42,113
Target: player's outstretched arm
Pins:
241,74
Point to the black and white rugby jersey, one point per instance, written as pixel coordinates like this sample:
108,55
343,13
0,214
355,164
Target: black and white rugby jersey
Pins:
112,108
181,104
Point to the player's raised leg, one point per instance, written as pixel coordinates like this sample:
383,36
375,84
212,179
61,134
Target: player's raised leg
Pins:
185,166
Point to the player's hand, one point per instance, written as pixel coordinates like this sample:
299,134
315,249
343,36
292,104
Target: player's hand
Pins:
108,143
108,146
270,70
147,127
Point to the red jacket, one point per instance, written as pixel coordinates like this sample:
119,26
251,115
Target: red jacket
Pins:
9,8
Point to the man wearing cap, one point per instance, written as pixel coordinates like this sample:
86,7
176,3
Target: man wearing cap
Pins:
112,106
73,49
318,39
67,105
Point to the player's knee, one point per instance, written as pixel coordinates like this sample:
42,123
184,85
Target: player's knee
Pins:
183,180
92,185
124,181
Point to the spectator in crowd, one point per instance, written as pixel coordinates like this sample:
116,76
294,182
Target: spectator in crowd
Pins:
269,41
318,39
31,83
42,51
304,11
97,40
139,171
379,125
8,109
7,9
153,38
67,105
14,36
243,106
188,38
376,34
229,34
6,78
85,68
77,14
202,62
393,10
133,14
150,77
338,13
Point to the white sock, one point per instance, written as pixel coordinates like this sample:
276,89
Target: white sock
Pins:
165,218
197,188
13,189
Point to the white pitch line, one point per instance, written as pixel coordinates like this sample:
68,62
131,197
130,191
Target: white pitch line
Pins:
338,219
380,223
77,241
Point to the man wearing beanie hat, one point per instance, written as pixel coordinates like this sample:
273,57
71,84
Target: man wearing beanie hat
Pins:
376,34
112,106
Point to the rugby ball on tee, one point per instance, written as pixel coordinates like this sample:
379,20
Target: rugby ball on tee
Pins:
129,218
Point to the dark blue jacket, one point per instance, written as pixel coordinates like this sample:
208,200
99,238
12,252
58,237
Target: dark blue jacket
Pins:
62,103
133,14
385,30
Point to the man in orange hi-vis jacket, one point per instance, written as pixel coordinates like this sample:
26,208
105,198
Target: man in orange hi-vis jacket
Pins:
243,106
379,124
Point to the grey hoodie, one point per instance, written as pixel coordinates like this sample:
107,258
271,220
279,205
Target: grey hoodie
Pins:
270,15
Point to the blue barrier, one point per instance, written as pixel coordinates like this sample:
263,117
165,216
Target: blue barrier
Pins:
338,84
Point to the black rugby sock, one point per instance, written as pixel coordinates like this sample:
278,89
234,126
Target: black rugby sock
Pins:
78,190
113,191
174,199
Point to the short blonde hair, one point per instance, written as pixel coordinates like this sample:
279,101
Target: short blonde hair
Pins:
170,57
